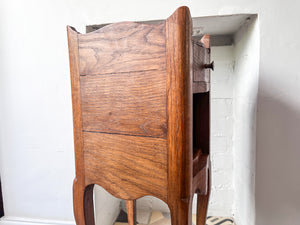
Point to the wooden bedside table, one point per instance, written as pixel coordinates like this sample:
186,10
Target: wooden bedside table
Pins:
140,96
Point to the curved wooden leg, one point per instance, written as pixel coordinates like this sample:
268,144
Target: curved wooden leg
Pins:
131,211
181,212
202,205
83,204
89,205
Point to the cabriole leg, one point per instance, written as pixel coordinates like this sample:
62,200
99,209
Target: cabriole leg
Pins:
83,204
181,212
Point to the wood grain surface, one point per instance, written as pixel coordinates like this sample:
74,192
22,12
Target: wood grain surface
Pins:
179,109
123,47
201,75
199,162
202,204
201,56
136,119
200,174
131,212
200,87
79,182
128,167
131,103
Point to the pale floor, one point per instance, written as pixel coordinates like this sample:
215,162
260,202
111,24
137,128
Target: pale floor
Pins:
159,218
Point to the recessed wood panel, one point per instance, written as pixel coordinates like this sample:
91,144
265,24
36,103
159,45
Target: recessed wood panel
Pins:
125,103
122,47
128,167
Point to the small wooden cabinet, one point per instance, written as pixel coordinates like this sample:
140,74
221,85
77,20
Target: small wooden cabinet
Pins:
140,96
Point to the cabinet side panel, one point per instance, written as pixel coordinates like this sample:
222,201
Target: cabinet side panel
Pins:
122,47
123,79
126,166
131,103
123,92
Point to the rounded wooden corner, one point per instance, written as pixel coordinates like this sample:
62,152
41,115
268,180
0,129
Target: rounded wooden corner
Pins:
180,13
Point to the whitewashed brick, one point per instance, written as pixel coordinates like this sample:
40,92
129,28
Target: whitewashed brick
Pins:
219,144
221,107
222,78
222,127
222,162
222,180
219,202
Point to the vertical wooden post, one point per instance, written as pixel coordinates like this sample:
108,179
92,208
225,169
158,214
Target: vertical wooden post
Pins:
131,211
180,115
82,195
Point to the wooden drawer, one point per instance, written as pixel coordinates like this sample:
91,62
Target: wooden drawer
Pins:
201,75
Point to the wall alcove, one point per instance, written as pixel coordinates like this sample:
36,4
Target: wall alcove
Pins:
234,85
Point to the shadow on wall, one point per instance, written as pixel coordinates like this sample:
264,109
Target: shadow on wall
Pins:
278,160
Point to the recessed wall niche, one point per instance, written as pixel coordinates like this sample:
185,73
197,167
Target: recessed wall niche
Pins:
234,84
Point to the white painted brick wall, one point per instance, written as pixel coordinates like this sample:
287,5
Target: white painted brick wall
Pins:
222,197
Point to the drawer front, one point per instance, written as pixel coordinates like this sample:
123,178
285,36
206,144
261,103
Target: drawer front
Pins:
201,75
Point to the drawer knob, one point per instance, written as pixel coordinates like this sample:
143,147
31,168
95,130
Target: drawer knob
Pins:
210,66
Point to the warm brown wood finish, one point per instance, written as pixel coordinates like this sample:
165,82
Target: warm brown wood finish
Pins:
201,56
180,100
200,177
122,47
202,205
125,103
200,87
79,187
141,116
199,161
123,163
201,75
131,212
